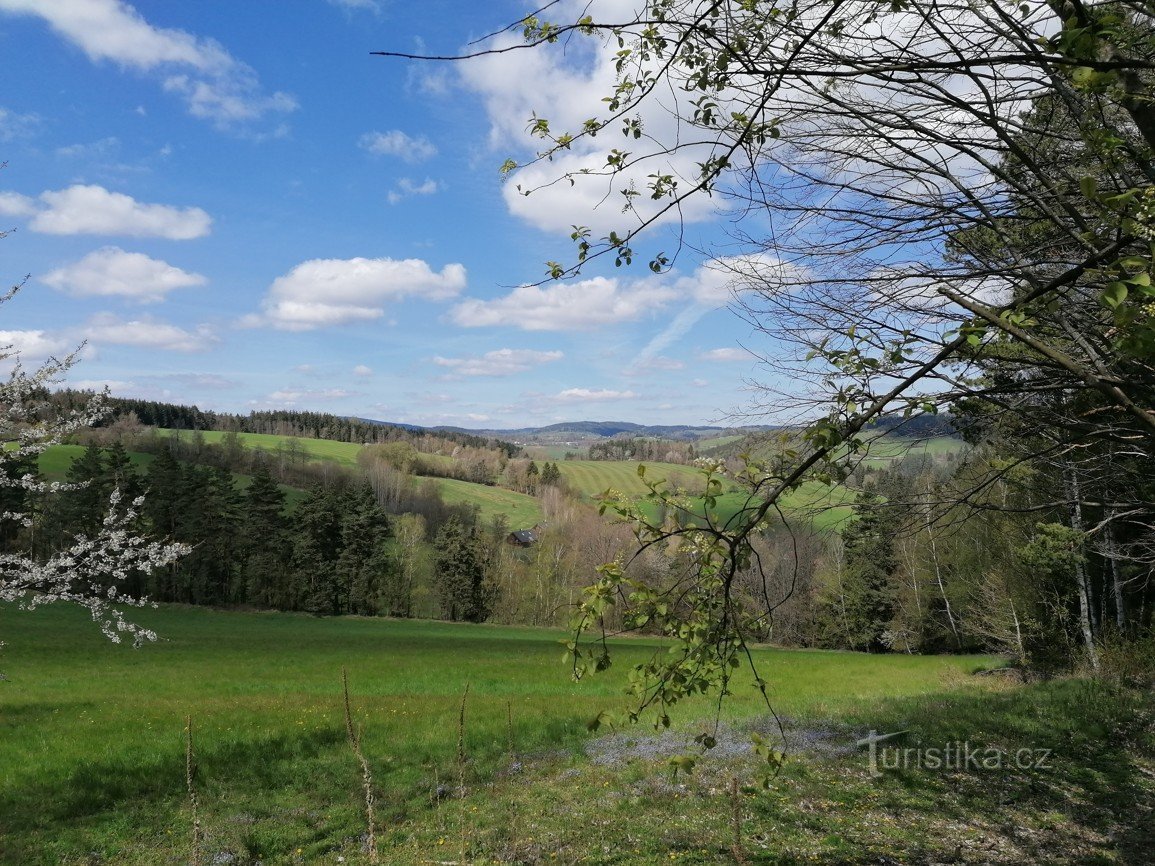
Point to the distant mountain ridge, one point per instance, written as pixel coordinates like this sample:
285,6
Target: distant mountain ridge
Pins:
591,429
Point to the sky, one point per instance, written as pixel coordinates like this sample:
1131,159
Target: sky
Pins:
234,205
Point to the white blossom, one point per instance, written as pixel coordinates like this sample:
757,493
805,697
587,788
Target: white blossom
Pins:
89,572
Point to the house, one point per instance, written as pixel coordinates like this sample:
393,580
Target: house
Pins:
522,538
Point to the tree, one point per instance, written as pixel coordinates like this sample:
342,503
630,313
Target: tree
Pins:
894,152
89,569
263,551
460,576
868,596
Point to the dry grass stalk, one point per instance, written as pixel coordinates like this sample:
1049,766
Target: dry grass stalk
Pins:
190,769
461,757
366,775
736,819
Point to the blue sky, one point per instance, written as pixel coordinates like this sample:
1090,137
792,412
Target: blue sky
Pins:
233,204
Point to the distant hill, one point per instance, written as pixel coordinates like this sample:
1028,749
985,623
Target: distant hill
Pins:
585,430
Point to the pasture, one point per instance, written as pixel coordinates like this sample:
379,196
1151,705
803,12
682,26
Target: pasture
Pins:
92,749
344,453
522,510
824,506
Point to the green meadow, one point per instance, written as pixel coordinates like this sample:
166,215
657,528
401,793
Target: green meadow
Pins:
344,453
522,510
823,505
92,746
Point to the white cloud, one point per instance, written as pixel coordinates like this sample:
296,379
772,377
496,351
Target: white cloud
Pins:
362,370
199,380
579,306
292,396
399,144
726,354
500,362
325,292
14,125
112,271
147,333
15,204
103,148
93,210
227,103
567,87
590,395
33,346
655,363
407,188
215,85
100,384
370,5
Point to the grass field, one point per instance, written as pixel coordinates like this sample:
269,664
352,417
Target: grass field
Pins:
344,453
881,451
523,511
824,506
92,752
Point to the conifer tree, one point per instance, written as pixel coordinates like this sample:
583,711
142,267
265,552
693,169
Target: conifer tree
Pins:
264,535
460,573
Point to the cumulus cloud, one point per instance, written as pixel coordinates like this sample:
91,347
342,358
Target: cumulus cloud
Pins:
579,306
407,188
85,209
399,144
567,87
34,345
500,362
148,333
326,292
111,271
15,204
591,395
215,85
362,370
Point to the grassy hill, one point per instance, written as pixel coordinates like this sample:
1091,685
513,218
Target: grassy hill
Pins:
92,753
344,453
825,506
523,511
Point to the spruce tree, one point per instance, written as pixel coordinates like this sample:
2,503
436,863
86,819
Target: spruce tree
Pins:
264,536
868,543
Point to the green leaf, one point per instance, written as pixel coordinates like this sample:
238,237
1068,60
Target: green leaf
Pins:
1114,295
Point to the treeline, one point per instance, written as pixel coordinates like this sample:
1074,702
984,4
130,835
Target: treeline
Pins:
337,551
643,449
309,425
980,555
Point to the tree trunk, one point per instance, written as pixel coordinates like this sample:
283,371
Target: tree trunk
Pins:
1083,585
